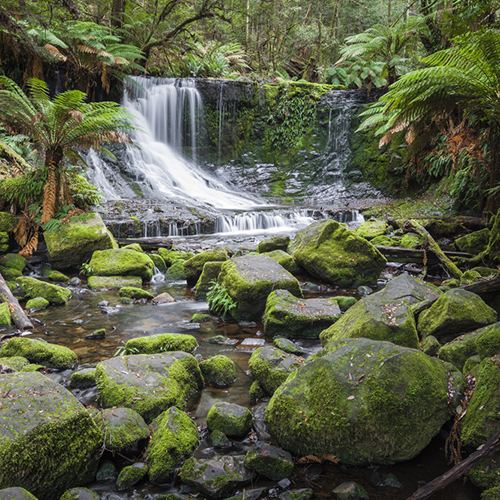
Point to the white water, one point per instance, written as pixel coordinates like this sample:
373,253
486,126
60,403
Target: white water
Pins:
167,112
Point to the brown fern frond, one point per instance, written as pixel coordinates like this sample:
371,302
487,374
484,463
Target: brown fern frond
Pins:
65,193
21,232
105,78
72,213
31,246
55,52
49,197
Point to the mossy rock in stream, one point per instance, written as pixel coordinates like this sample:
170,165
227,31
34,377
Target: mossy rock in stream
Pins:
16,494
291,317
132,292
275,243
210,273
385,315
336,255
372,228
40,352
284,259
174,439
159,262
193,267
249,280
459,350
365,402
473,243
218,370
148,383
73,243
49,442
454,312
14,362
120,262
80,494
13,261
113,282
161,342
34,288
231,419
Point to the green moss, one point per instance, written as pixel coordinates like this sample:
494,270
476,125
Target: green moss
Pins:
256,392
133,246
8,222
200,318
4,314
161,342
113,282
14,362
285,260
218,370
159,262
13,261
193,267
210,272
37,304
472,365
131,475
135,293
459,350
83,378
53,275
176,271
372,228
175,438
53,293
488,341
37,351
345,302
430,345
275,243
122,263
411,240
231,419
473,243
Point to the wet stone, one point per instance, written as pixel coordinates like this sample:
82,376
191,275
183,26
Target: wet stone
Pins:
80,494
231,419
163,298
131,475
97,334
269,461
16,494
350,491
106,471
302,494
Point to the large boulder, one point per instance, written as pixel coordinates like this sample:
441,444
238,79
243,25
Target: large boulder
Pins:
161,342
48,441
249,280
365,402
175,437
34,288
454,312
73,243
334,254
40,352
216,477
459,350
284,259
193,267
120,262
148,383
385,315
280,242
219,370
271,366
372,228
291,317
209,274
482,419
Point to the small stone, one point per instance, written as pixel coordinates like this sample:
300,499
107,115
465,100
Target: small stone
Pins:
364,290
231,419
106,471
288,346
75,281
218,370
97,334
80,494
134,293
385,480
302,494
269,461
200,318
37,304
131,475
163,298
350,491
103,303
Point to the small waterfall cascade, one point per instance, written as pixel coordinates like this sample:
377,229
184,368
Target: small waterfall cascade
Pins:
168,113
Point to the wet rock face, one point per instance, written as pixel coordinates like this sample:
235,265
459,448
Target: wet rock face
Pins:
231,419
193,267
217,477
365,402
48,441
336,255
250,279
149,384
269,461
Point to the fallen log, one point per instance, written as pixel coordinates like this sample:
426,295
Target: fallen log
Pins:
490,447
147,243
416,255
430,242
16,311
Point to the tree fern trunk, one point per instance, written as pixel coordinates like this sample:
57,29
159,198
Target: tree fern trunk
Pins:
52,159
493,201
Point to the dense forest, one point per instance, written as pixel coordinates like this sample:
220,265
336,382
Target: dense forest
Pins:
437,63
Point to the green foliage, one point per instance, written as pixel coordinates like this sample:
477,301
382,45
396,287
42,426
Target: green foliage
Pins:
357,74
219,300
122,349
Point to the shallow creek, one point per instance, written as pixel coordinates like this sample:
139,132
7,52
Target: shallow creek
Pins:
70,324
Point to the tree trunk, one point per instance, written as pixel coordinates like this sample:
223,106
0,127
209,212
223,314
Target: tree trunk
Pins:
493,202
52,159
117,13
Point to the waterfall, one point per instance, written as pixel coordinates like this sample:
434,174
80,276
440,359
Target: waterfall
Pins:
168,113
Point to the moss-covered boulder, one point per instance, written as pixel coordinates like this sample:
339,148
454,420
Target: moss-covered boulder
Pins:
37,304
210,273
288,346
385,315
34,288
83,379
219,370
473,243
124,430
176,271
53,275
13,261
49,442
365,402
336,255
193,267
488,341
459,350
148,383
249,280
269,461
486,477
40,352
175,437
385,241
280,242
271,367
10,274
216,477
133,246
231,419
14,363
80,494
132,292
158,262
16,494
454,312
74,242
430,345
372,228
119,262
113,282
4,314
8,222
482,419
291,317
162,342
284,259
131,475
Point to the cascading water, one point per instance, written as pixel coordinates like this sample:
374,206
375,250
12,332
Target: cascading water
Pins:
167,113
